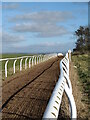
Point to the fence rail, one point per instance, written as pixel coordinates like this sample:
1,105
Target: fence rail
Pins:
33,60
63,84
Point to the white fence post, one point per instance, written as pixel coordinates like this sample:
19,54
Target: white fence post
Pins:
29,62
14,65
6,68
21,64
26,63
35,60
72,102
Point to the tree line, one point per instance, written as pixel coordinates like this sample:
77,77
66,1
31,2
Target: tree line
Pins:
83,40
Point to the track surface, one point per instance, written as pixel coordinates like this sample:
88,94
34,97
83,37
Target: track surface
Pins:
26,95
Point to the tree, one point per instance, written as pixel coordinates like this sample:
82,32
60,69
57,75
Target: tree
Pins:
83,41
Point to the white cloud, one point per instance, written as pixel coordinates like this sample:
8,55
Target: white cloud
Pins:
44,16
8,38
43,30
10,6
44,23
41,48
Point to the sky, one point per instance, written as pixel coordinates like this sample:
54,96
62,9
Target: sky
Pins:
41,27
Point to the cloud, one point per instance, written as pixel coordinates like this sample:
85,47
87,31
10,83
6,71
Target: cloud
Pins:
10,6
41,48
42,23
42,29
8,38
44,16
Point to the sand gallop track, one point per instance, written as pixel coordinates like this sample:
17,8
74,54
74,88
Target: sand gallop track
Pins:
25,95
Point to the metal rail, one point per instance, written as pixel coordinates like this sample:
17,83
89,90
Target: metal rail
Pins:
63,84
33,60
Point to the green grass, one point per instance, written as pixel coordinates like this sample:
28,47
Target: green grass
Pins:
10,63
82,63
14,55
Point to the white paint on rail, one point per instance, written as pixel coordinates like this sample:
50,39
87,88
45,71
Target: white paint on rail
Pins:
21,64
14,65
63,84
6,68
33,60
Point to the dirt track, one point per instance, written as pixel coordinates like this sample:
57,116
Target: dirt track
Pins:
26,94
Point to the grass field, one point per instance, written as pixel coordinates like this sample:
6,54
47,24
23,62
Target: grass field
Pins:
10,63
13,55
82,64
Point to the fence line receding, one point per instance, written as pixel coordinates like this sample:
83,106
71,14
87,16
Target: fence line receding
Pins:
33,60
63,84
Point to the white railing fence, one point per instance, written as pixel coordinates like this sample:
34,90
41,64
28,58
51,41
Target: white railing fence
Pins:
33,60
63,84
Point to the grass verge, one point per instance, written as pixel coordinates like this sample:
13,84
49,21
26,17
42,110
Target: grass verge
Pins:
81,63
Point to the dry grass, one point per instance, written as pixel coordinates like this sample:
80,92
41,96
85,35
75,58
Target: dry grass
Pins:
79,76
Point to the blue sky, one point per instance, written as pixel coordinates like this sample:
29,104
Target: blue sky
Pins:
41,27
